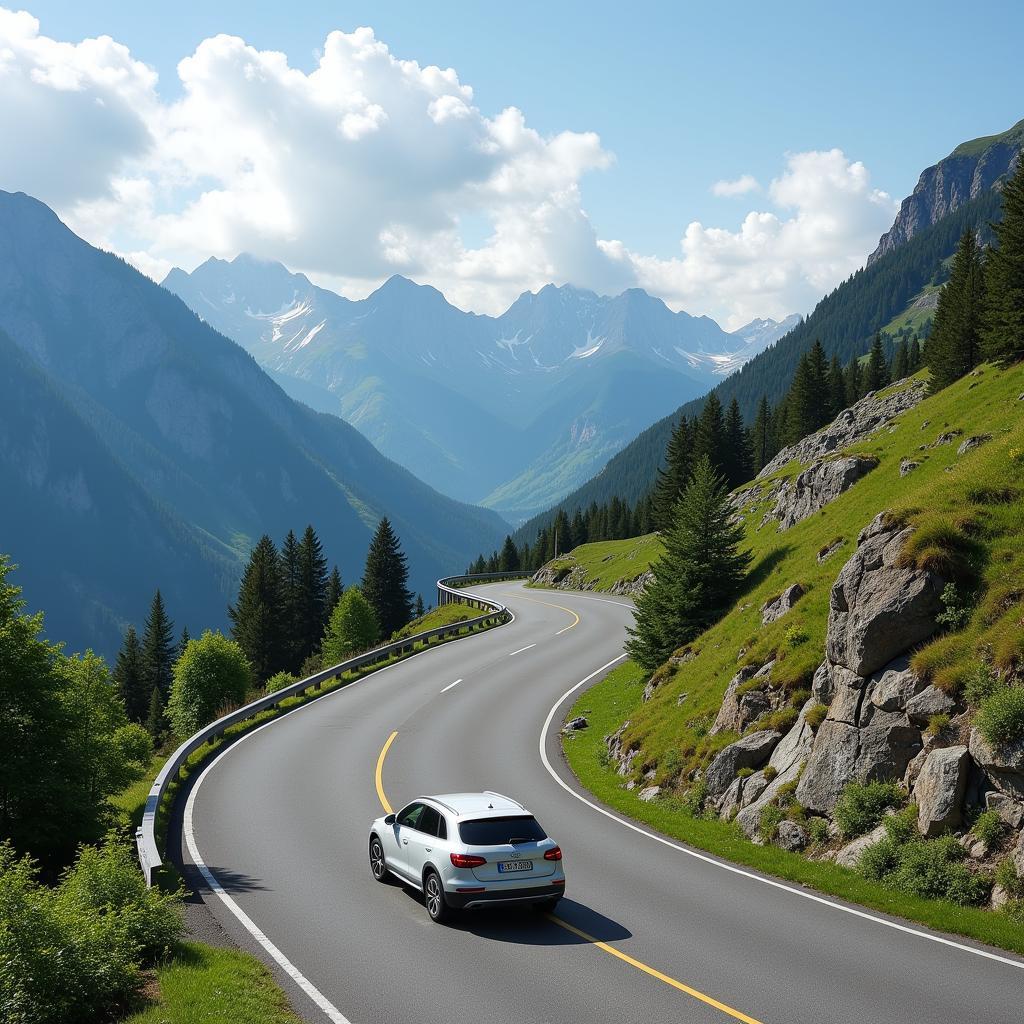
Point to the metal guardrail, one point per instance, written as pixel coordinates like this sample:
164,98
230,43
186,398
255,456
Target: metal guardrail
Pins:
448,592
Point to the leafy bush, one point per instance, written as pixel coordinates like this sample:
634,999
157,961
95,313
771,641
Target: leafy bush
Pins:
770,773
902,826
72,954
979,683
1008,877
744,773
781,720
989,828
861,805
932,869
771,816
1001,716
797,635
210,675
879,859
937,724
693,801
278,681
817,829
956,607
816,715
353,627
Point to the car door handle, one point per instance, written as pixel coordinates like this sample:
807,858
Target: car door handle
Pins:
427,848
405,842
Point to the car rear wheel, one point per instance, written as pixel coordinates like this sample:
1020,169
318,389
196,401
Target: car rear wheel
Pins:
433,896
378,865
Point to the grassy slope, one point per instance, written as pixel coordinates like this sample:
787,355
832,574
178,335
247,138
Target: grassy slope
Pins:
971,496
607,562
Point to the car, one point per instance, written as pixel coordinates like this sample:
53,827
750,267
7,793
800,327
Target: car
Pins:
464,851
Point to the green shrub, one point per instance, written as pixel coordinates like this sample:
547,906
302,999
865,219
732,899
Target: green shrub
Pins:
979,684
816,715
797,635
771,816
956,606
693,800
781,720
935,870
744,773
879,859
989,828
770,773
817,829
1008,877
902,826
211,675
861,805
278,681
937,724
1001,716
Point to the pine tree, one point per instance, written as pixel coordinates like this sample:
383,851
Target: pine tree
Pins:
761,443
673,474
914,355
737,450
183,642
954,347
1003,340
709,434
156,719
128,677
900,361
509,556
854,382
291,582
698,575
159,651
312,594
836,388
257,616
385,580
562,539
420,610
877,375
335,588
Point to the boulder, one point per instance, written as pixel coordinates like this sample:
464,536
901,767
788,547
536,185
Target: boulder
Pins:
850,855
908,466
930,701
821,684
790,835
939,791
1000,897
617,753
972,442
877,608
738,710
946,438
893,686
1009,810
749,752
816,486
829,550
648,793
575,724
776,608
1002,763
753,787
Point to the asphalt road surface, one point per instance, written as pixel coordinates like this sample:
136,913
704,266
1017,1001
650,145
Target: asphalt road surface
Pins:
647,933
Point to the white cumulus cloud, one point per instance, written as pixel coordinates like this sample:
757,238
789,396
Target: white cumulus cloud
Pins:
370,165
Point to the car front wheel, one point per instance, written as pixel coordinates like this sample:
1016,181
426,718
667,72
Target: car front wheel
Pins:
378,865
433,896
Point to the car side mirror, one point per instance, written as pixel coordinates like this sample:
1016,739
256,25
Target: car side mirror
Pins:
389,820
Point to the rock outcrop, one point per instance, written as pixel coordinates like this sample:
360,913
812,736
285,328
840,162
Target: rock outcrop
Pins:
778,606
744,702
816,486
939,790
1002,763
749,752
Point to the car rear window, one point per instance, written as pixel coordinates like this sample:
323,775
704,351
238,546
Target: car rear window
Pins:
496,831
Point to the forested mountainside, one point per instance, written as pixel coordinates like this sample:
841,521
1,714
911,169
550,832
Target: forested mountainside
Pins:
143,432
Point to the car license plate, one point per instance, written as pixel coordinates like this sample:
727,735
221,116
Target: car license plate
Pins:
514,865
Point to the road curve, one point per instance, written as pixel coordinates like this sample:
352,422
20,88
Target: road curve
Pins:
647,933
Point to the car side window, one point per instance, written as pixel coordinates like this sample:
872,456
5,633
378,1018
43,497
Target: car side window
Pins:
410,816
442,827
428,821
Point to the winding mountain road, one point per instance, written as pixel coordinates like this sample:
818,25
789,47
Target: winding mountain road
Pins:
648,931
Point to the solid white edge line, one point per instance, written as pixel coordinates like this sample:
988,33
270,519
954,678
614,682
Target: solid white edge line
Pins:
445,689
528,647
332,1012
824,901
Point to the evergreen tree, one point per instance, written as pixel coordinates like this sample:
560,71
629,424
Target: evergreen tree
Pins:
854,382
183,641
561,540
129,679
159,652
385,580
761,441
954,347
738,457
156,719
310,604
836,388
900,361
420,610
352,628
291,584
709,434
698,575
673,474
914,358
257,616
877,375
335,588
509,556
1003,340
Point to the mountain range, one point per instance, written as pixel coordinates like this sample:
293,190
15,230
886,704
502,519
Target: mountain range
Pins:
140,448
902,276
510,412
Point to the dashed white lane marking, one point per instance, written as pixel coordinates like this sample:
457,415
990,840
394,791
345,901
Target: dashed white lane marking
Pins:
941,940
450,685
521,649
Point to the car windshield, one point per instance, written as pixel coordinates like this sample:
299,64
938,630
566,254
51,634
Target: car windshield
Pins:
496,831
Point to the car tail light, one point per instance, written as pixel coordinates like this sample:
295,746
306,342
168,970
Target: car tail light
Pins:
467,860
555,853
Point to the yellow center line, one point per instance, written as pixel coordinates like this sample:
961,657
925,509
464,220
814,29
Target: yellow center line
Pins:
377,775
549,604
640,966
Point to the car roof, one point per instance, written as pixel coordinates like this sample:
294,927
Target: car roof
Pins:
478,805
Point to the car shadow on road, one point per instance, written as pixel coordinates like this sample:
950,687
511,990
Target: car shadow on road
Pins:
526,926
235,881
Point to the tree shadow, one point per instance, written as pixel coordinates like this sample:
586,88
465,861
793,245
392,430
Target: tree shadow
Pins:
762,568
232,881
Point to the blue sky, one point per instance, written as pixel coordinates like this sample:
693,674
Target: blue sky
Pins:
680,95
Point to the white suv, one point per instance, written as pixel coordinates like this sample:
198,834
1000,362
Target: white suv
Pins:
466,850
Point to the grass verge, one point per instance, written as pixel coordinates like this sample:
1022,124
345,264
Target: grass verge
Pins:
607,704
